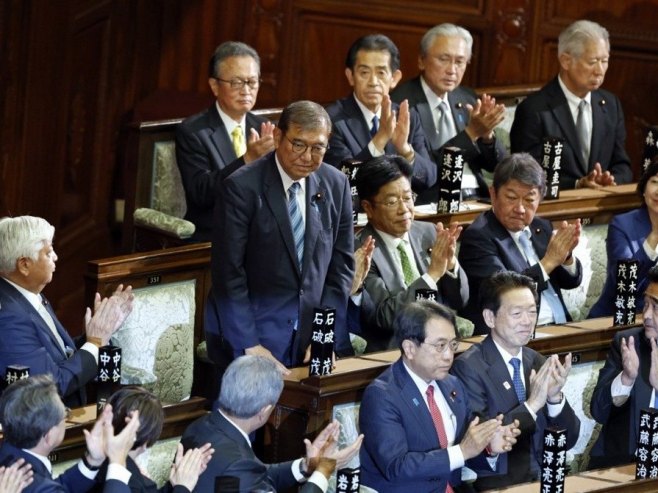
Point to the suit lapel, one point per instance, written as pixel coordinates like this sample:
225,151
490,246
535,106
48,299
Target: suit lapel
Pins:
458,108
356,123
60,329
560,109
220,137
315,209
384,261
506,244
425,114
539,238
499,376
599,122
420,256
452,398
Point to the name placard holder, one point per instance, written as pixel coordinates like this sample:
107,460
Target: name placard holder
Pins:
322,341
450,180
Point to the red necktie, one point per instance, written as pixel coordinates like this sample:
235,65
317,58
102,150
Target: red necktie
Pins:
438,423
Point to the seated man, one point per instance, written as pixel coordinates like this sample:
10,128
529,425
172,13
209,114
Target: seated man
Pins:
212,144
511,237
572,107
367,124
31,334
250,389
33,421
452,115
416,419
534,398
627,384
409,255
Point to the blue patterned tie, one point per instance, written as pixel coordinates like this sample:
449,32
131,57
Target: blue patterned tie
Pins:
296,221
375,126
516,379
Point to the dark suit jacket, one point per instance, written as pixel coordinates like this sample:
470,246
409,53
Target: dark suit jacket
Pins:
626,235
479,155
618,438
71,481
388,290
547,114
487,248
27,340
484,373
205,155
234,467
350,137
259,289
401,450
138,482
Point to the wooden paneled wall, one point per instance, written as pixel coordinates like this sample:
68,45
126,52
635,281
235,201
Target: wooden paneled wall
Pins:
73,71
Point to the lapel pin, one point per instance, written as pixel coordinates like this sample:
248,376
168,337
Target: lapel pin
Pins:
506,385
459,106
602,102
453,395
415,401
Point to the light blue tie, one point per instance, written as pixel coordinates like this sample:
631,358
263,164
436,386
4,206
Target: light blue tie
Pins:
549,293
375,126
655,400
516,379
296,221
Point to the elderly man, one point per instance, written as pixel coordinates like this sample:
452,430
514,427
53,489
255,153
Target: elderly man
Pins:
502,375
416,418
33,421
249,392
409,255
31,334
572,107
511,237
215,142
367,124
452,115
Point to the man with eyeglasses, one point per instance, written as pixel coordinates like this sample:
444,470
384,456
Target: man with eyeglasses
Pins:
502,375
367,124
418,426
627,384
212,144
283,246
453,115
409,255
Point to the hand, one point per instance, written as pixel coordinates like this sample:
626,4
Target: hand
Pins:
443,257
596,178
362,261
400,136
484,117
109,314
564,239
118,446
504,437
387,124
478,436
259,145
559,378
259,350
187,467
96,438
539,381
15,478
630,361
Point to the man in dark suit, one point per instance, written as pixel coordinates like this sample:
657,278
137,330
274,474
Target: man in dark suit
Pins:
572,107
217,141
31,334
416,418
511,237
502,375
33,425
428,259
626,385
250,389
284,245
366,124
469,122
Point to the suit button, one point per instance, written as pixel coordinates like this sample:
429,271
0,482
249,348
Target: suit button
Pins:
301,292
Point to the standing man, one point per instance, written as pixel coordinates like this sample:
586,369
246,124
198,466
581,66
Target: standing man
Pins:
511,237
452,115
572,107
284,245
502,375
215,142
367,124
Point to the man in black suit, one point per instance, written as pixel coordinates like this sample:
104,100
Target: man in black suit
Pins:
367,124
215,142
572,107
511,237
469,122
250,389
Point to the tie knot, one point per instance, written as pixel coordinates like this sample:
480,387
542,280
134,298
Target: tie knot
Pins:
294,188
237,132
582,105
516,363
400,247
430,392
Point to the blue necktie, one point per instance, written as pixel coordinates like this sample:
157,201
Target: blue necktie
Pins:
375,126
296,221
549,293
516,379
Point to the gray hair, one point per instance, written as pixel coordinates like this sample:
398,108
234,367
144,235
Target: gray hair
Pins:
230,49
446,30
28,409
521,167
249,384
22,236
574,38
307,114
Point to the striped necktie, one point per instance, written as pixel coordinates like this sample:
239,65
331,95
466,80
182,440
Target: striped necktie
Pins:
296,221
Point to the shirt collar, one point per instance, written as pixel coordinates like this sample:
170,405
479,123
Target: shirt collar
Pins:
367,114
420,383
43,459
285,179
432,98
505,354
34,299
246,437
391,241
572,99
229,122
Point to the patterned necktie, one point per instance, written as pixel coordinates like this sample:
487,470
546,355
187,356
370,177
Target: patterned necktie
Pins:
407,269
445,127
296,221
516,379
438,423
375,126
237,137
581,130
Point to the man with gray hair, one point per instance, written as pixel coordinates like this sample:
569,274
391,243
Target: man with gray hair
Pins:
511,237
31,334
212,144
452,115
572,107
250,389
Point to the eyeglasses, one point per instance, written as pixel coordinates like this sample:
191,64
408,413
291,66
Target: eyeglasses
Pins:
394,202
442,345
447,60
237,83
299,147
